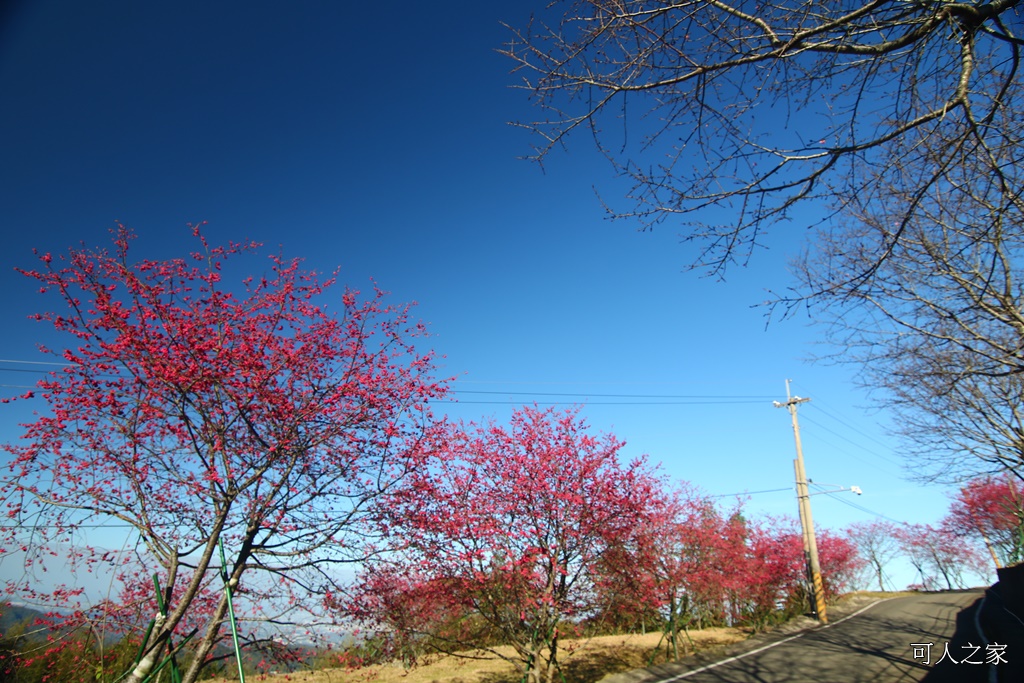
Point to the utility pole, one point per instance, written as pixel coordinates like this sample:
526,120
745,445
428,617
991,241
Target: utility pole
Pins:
806,521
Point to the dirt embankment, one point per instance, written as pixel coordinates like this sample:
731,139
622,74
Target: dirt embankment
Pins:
583,661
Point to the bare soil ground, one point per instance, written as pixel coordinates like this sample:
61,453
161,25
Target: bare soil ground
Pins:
583,661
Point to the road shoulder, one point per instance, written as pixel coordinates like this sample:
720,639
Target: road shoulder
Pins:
784,632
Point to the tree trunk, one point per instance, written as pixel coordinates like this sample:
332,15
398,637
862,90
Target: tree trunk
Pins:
673,627
553,657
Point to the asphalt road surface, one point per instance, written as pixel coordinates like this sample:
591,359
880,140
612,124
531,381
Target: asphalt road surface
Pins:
875,644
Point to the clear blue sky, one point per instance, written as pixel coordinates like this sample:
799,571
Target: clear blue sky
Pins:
375,138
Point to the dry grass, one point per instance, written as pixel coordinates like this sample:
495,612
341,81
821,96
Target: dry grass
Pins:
583,661
881,595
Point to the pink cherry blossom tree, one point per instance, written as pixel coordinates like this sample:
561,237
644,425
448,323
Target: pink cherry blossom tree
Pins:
194,413
681,563
694,562
991,509
508,524
841,562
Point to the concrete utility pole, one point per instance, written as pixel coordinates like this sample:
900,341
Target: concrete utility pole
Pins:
806,521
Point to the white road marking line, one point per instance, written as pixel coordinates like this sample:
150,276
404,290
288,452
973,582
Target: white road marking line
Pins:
681,676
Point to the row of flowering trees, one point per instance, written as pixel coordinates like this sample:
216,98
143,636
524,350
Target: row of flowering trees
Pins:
196,416
983,530
523,534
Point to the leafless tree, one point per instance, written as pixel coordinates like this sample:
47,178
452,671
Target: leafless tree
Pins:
939,327
728,114
877,542
897,124
942,560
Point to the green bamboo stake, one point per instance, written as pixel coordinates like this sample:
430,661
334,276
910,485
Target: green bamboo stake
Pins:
170,658
145,641
656,648
231,610
175,671
142,650
162,663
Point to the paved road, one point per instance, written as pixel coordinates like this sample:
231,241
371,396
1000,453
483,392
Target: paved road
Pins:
872,646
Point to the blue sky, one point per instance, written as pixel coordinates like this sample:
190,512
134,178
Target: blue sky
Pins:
378,141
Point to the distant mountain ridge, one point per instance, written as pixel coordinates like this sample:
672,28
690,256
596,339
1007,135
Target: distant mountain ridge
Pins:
14,616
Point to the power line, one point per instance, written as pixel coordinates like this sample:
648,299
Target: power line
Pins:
750,493
71,528
599,403
851,427
856,506
689,398
35,362
817,407
844,438
533,382
838,449
664,396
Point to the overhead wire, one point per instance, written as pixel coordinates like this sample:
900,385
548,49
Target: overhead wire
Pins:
817,406
749,493
856,506
600,403
638,399
31,362
852,455
630,398
570,393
